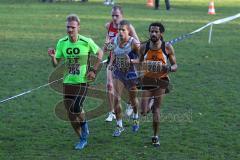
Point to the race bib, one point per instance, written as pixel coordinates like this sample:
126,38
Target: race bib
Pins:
154,66
73,66
74,69
122,63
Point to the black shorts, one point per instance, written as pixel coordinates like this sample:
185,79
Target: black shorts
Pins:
153,83
74,96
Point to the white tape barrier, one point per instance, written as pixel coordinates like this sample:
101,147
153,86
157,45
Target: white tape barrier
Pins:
34,89
29,91
219,21
224,20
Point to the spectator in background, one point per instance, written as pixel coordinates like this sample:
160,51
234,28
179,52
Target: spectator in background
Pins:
47,0
167,3
66,0
109,2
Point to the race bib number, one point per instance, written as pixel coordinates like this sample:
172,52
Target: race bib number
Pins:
154,66
74,69
73,66
122,62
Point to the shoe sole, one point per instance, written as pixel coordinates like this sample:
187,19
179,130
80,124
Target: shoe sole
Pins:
81,148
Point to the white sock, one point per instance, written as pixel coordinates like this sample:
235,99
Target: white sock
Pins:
119,123
112,112
135,115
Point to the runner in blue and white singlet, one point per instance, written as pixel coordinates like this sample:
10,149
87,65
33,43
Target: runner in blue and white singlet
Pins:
112,30
124,76
123,70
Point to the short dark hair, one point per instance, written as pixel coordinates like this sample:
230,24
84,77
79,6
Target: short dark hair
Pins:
124,22
157,24
114,8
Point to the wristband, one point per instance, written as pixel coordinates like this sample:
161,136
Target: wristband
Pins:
169,69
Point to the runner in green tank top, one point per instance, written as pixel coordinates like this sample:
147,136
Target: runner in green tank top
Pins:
74,49
76,57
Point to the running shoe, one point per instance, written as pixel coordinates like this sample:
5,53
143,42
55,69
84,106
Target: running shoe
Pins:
110,117
118,131
81,144
155,141
135,126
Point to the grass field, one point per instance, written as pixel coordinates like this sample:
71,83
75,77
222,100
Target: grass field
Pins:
200,117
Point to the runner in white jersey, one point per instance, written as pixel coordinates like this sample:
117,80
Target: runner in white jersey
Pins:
124,75
112,30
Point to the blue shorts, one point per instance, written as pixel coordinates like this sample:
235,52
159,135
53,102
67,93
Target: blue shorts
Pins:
129,79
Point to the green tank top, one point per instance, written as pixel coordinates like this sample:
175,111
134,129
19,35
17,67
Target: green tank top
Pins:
75,57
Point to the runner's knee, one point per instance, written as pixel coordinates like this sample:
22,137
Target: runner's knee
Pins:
74,104
109,87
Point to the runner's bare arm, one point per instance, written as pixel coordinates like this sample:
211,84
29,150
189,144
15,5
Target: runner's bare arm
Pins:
92,74
136,49
172,59
141,52
133,33
110,66
51,53
99,57
141,65
107,40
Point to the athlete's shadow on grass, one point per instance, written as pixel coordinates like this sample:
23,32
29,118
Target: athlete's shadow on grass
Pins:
95,91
